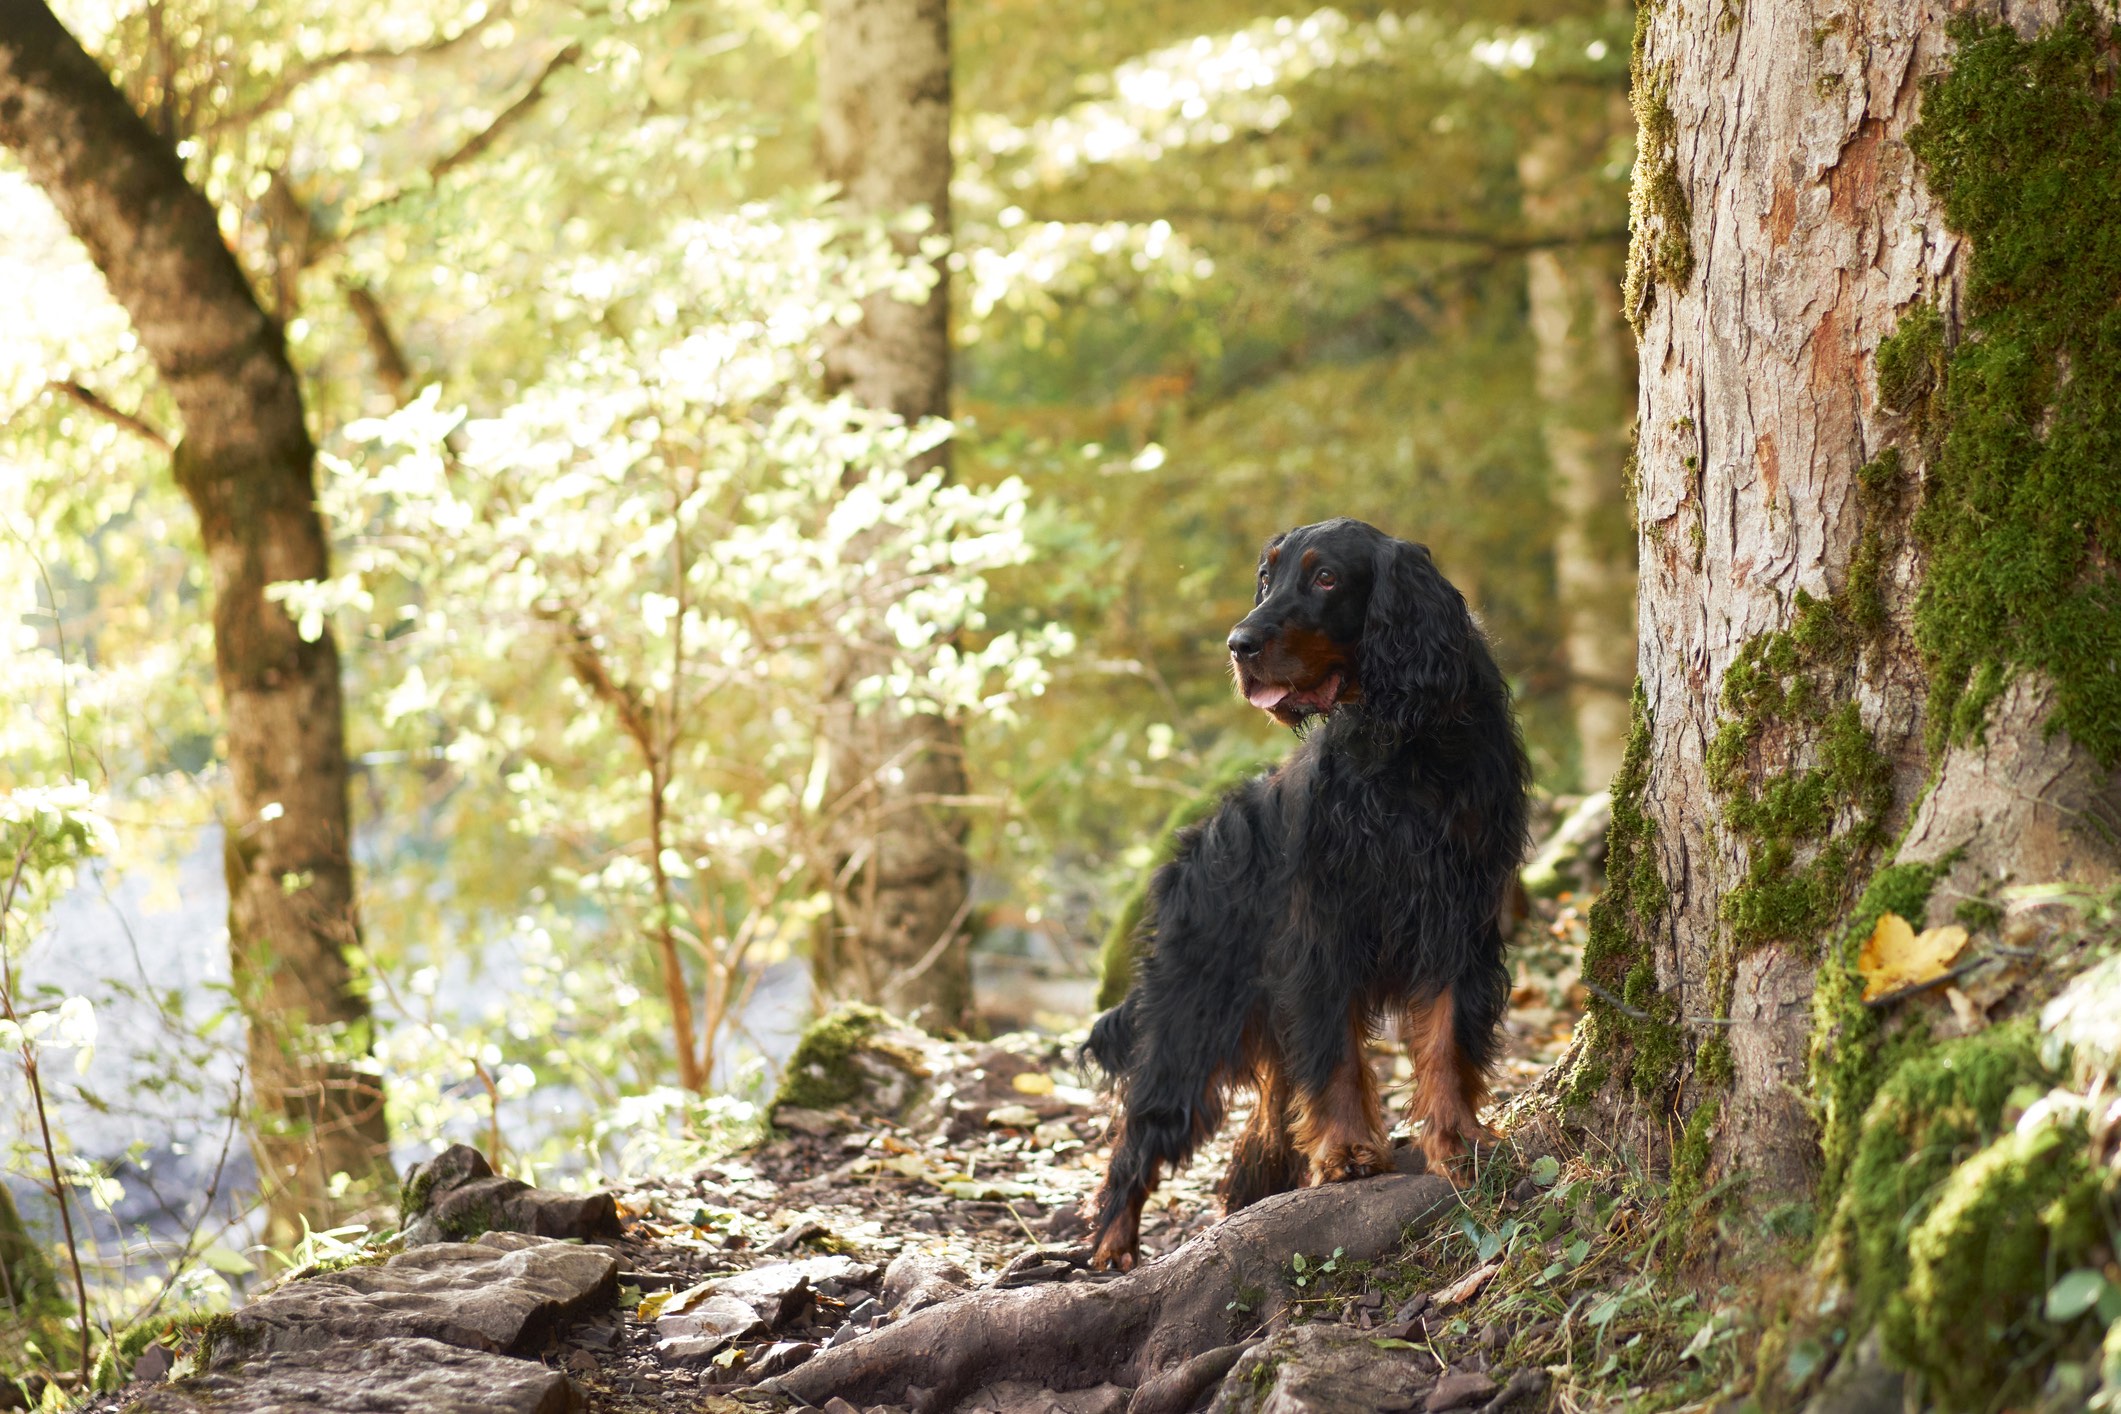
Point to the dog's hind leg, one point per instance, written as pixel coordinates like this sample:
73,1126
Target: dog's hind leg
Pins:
1450,1037
1339,1126
1264,1161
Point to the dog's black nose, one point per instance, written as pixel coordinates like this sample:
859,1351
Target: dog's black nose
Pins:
1245,641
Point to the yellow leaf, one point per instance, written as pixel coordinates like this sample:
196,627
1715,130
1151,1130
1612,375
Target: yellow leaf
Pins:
1895,956
1033,1082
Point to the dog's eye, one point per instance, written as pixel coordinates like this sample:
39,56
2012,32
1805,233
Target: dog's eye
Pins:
1263,578
1325,579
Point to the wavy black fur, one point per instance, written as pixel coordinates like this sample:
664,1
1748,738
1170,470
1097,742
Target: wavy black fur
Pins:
1368,870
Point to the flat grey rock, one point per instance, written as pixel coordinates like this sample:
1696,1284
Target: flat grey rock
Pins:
1017,1397
1321,1369
456,1197
389,1376
779,1291
504,1294
1460,1389
721,1316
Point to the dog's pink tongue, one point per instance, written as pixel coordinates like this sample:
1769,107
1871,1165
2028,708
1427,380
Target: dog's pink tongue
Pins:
1266,697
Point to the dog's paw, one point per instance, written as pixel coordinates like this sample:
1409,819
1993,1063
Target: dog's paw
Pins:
1452,1152
1345,1162
1112,1254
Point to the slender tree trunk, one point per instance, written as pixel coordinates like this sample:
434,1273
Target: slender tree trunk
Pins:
898,856
1586,373
245,463
1823,729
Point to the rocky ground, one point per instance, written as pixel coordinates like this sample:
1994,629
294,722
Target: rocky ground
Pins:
909,1238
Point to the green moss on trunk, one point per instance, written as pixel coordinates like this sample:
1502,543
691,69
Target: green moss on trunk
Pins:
2021,510
1616,954
1851,1057
1660,218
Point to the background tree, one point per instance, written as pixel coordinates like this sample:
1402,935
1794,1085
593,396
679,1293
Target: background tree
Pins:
1871,273
897,933
1575,138
245,463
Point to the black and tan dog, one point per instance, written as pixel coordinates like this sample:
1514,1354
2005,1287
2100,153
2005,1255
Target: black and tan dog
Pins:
1360,880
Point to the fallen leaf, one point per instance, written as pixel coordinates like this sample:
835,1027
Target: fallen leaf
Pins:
1896,957
1032,1082
1012,1117
987,1190
1468,1286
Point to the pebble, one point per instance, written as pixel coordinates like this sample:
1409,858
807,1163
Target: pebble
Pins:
1458,1390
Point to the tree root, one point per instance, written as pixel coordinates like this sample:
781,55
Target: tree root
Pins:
1220,1287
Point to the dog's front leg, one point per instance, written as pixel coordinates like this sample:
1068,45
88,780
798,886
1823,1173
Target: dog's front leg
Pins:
1450,1084
1338,1124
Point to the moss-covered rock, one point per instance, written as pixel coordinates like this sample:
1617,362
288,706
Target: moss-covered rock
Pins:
2005,1224
1936,1110
856,1057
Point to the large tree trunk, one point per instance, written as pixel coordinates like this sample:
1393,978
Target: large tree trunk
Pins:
1586,382
1842,665
245,463
897,852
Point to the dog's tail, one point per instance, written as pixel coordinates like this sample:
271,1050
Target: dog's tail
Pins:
1111,1042
1173,1047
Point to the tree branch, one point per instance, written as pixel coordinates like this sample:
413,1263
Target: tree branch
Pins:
89,398
292,78
383,347
1384,225
467,151
479,141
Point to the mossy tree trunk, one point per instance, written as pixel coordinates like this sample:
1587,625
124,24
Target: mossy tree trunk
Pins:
245,463
1879,489
897,846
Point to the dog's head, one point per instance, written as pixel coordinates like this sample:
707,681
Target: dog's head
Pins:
1345,613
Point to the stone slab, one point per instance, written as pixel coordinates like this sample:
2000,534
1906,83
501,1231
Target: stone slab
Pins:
393,1375
504,1294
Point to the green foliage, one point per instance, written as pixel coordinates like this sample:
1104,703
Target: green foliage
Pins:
2021,141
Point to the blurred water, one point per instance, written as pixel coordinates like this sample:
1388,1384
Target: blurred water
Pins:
156,1098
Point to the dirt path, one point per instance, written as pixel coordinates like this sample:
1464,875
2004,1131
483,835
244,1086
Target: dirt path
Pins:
977,1187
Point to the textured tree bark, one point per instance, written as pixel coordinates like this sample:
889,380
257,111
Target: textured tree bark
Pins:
1586,384
1783,230
898,855
245,463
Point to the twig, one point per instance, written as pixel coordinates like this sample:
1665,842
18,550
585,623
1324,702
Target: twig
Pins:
96,403
36,1090
1939,980
1635,1013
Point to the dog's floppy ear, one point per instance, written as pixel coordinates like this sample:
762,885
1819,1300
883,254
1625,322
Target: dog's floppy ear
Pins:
1414,638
